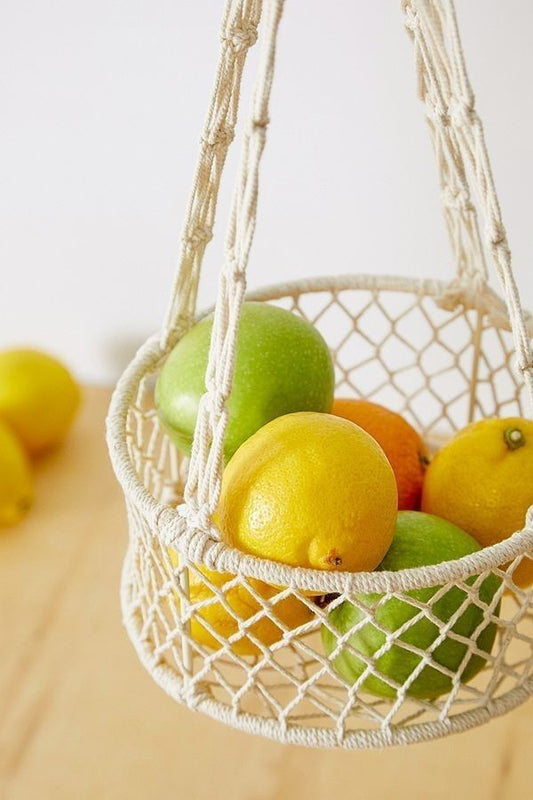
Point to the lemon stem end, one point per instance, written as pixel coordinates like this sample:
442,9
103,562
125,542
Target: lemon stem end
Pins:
514,438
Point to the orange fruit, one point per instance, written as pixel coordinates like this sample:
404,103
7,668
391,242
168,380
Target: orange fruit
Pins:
310,490
399,441
482,481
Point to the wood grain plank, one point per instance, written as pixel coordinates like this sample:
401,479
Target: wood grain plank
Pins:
81,720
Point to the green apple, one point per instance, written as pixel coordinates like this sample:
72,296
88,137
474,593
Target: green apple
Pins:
419,540
282,365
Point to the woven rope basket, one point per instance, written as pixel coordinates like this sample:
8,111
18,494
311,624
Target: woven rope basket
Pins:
442,354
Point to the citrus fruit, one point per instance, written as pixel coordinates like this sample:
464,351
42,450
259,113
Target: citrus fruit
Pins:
282,365
16,489
38,398
290,611
419,539
310,490
482,480
400,442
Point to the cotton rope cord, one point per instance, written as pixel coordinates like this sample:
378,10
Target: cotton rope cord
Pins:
238,34
205,469
458,138
289,690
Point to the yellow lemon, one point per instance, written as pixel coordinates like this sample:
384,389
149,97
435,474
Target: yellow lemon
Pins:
242,605
482,481
310,490
38,398
16,491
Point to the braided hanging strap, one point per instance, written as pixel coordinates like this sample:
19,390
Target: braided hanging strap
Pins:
457,135
203,483
238,34
461,153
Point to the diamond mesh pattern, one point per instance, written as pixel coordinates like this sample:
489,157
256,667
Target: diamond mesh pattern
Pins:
264,667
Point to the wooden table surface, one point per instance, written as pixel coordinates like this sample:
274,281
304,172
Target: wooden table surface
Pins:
81,720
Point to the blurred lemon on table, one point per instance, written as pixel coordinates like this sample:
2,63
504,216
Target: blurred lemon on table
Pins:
16,489
242,605
310,490
38,398
400,442
482,481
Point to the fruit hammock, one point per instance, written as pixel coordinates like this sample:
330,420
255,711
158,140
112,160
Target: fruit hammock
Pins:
444,354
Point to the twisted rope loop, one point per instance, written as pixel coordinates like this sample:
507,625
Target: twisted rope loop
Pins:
203,484
238,34
462,158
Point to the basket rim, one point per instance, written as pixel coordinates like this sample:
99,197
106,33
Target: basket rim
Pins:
207,549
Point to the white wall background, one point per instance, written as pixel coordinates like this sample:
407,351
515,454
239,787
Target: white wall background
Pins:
102,103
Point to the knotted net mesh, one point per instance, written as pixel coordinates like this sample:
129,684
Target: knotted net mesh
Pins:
428,652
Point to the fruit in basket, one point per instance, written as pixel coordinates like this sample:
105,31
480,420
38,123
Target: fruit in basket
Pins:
482,481
282,365
310,490
400,442
290,611
38,398
16,485
419,540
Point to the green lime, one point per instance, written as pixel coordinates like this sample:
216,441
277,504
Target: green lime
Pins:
419,540
282,365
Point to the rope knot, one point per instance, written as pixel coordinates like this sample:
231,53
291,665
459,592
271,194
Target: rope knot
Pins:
240,38
193,694
215,398
525,366
437,114
495,233
259,124
461,290
220,137
234,271
412,21
196,517
456,199
198,235
195,542
462,112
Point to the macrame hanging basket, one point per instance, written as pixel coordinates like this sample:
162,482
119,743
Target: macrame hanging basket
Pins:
440,353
